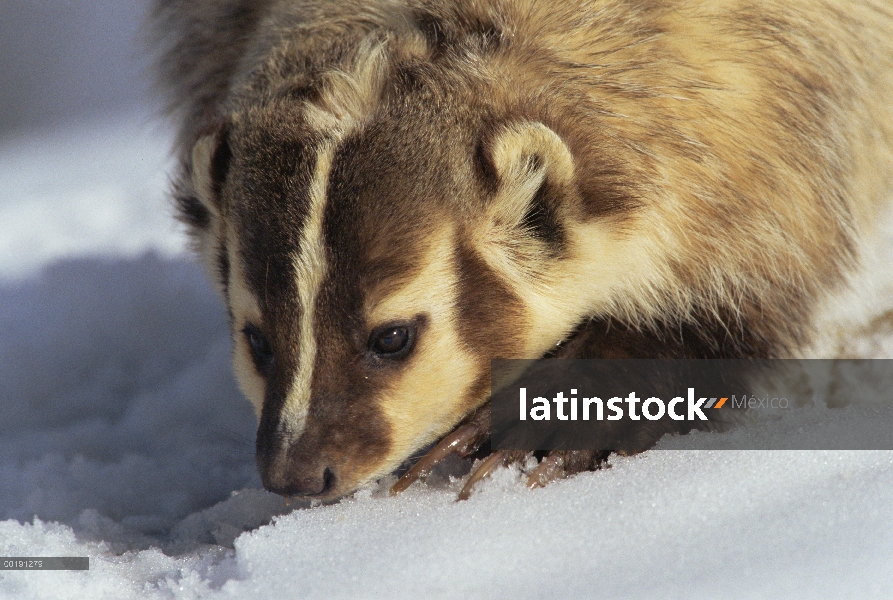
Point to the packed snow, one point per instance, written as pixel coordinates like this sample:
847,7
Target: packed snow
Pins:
123,438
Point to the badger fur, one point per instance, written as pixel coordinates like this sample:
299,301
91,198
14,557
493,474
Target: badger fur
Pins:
390,193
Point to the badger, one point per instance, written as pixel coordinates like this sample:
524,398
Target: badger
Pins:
391,193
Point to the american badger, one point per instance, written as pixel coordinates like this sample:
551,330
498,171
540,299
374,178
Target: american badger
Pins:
390,193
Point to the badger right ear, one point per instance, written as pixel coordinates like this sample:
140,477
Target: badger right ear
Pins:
208,168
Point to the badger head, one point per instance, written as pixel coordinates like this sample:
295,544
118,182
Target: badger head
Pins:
377,243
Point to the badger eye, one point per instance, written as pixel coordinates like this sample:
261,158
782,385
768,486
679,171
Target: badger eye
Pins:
261,350
391,341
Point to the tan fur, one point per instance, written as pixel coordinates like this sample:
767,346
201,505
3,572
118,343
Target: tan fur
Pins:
202,153
697,166
348,96
558,296
418,404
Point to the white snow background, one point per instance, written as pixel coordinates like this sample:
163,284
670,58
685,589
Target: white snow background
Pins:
123,438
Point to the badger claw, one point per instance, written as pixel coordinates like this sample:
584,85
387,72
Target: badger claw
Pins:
549,469
500,458
556,465
463,441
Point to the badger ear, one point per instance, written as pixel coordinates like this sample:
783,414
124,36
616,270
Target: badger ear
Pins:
200,201
533,191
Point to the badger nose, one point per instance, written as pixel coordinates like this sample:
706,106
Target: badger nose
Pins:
310,482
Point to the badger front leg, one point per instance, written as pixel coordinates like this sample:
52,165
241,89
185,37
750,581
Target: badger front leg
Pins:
597,340
468,438
464,441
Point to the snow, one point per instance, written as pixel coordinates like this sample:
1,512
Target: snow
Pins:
123,438
95,187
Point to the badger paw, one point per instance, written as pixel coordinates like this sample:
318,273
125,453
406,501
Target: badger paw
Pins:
563,463
464,441
468,438
555,465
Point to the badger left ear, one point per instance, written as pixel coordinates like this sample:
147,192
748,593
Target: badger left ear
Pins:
200,203
534,191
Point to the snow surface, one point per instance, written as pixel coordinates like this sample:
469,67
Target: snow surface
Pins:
123,438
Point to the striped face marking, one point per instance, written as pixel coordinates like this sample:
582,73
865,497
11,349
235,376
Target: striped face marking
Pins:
310,270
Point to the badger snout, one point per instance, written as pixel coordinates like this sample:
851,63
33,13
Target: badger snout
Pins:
289,470
301,482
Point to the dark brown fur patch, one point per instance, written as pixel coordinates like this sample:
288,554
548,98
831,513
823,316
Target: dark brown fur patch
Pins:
273,159
220,161
192,211
489,312
223,268
718,336
542,218
459,31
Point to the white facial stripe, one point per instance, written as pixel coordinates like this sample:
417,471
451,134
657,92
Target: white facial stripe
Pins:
310,271
346,100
